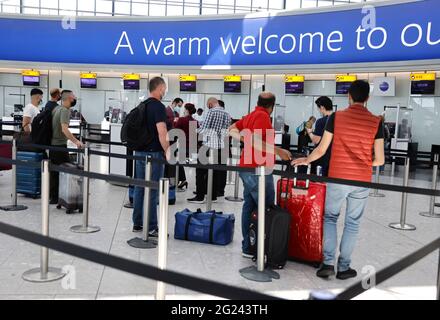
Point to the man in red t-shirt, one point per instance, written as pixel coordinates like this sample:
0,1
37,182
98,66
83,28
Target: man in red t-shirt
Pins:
357,145
256,132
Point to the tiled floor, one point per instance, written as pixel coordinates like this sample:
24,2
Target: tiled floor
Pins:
378,246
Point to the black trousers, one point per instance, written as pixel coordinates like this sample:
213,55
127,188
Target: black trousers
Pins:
56,158
219,177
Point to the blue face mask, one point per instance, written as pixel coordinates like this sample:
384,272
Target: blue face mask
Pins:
177,109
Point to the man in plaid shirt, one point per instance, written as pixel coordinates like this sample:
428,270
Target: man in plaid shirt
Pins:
214,130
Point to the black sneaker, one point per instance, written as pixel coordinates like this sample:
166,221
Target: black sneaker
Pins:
325,271
155,234
220,195
344,275
137,228
129,205
197,199
53,201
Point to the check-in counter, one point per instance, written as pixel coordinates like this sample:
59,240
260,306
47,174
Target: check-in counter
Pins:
117,166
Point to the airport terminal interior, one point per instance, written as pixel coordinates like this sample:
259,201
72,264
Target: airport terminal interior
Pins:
404,90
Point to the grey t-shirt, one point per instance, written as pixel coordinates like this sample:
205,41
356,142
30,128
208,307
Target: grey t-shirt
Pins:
60,115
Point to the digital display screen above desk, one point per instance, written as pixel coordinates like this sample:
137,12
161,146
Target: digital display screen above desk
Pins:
131,84
188,86
31,81
295,87
342,87
89,83
232,87
423,87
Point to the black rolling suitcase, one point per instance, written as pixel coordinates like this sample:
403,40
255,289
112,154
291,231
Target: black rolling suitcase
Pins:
276,243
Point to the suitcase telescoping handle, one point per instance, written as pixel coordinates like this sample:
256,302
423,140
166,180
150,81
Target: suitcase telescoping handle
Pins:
309,170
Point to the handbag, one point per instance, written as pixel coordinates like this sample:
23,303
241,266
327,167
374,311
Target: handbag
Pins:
23,138
206,227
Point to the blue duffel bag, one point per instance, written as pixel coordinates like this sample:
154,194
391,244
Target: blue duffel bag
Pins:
206,227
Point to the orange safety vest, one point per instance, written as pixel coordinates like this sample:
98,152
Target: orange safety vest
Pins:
353,141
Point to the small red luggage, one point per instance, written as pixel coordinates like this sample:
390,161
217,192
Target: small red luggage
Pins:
305,201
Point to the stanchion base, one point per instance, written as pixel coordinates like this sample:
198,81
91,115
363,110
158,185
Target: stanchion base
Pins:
82,229
405,227
13,208
142,244
429,215
234,199
34,275
252,273
377,195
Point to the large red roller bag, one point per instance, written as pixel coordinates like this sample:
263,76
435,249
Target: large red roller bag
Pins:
306,206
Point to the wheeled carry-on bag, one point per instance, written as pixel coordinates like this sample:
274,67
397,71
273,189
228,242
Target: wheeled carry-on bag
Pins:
206,227
70,192
29,178
305,201
277,221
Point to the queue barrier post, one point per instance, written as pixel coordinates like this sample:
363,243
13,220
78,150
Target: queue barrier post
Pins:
164,186
376,193
235,197
259,273
209,194
44,273
438,276
402,225
393,166
14,206
145,242
85,227
431,213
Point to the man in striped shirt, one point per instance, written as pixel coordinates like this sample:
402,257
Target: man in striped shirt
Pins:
214,130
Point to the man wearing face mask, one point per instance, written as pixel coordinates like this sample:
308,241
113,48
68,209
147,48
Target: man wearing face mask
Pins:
55,96
173,111
156,148
32,109
60,135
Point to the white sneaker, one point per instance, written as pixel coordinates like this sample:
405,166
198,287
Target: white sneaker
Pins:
247,255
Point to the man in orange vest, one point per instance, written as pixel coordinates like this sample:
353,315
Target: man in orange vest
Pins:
358,146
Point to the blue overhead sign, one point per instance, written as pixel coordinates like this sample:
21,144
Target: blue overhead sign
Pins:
390,33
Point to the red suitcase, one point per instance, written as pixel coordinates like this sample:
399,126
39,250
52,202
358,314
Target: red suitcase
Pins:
306,205
5,152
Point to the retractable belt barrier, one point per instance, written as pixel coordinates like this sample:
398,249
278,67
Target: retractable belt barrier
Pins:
91,175
104,142
390,271
43,147
135,268
284,174
189,282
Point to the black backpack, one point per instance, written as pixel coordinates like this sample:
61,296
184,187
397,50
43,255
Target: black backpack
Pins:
134,133
42,128
277,225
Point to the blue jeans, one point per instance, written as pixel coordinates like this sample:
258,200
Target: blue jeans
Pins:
250,205
156,175
131,193
356,201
